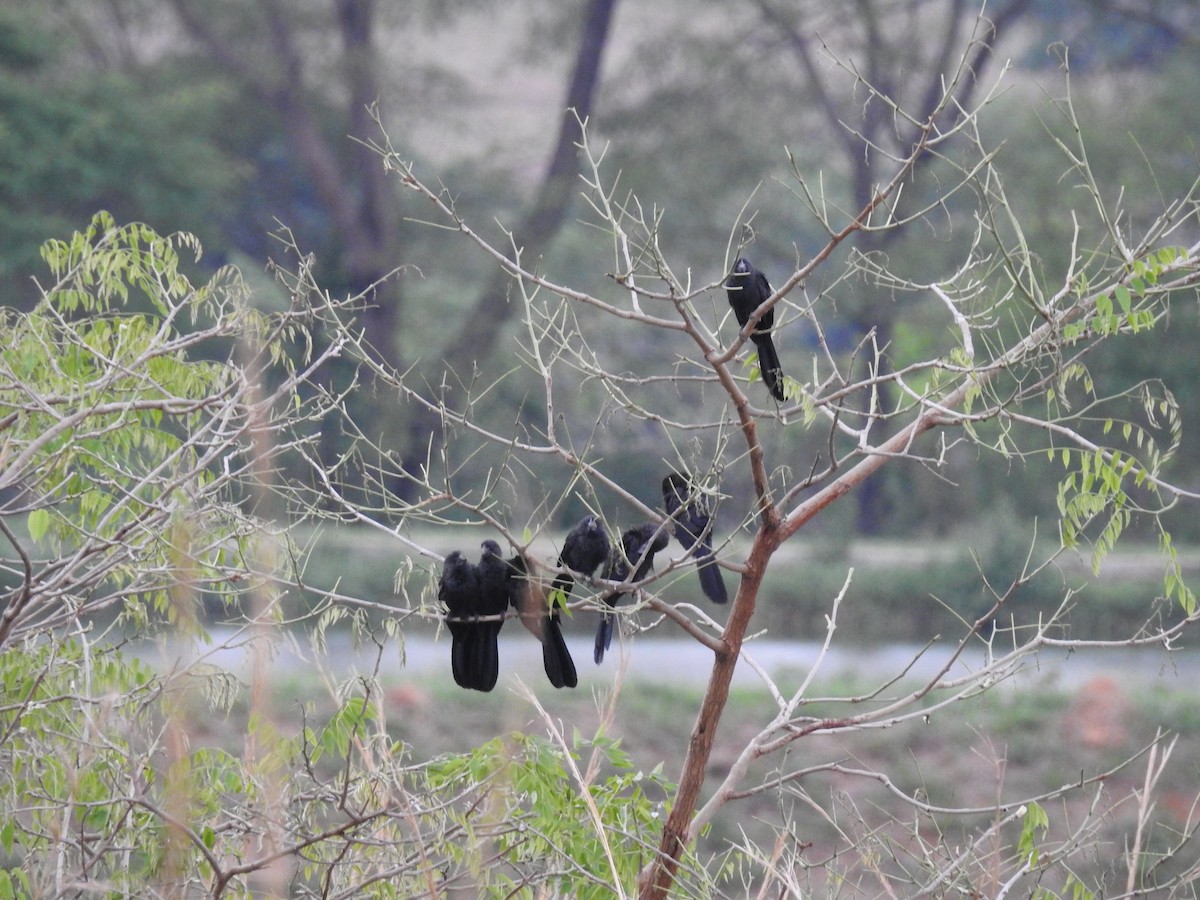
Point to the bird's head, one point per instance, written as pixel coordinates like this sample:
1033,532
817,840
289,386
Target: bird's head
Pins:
676,484
490,548
742,266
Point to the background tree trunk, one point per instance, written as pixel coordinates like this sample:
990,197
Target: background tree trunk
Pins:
476,338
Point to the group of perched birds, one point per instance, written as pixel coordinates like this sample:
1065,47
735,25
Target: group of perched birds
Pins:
478,596
477,599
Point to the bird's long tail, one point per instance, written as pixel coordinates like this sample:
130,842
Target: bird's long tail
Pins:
488,659
460,656
768,364
711,581
556,658
604,630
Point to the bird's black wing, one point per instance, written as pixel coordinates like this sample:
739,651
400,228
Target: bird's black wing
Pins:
768,357
760,292
747,289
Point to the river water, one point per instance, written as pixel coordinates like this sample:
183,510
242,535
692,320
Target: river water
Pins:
686,663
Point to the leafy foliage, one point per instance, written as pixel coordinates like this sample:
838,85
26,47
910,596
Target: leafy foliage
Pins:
526,822
122,440
71,752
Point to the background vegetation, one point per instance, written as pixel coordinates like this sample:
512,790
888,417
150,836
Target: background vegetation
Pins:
176,114
461,279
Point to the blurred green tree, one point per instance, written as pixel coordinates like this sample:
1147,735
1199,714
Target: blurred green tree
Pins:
74,140
279,100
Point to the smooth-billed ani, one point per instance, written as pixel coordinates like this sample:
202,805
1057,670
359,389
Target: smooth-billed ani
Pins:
458,589
747,289
692,520
494,591
584,550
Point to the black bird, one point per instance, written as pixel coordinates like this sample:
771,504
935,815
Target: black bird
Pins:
494,592
640,543
585,549
458,589
747,289
693,523
528,596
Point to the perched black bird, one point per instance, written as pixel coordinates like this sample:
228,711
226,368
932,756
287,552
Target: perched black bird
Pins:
494,592
640,543
748,289
693,523
528,596
458,589
584,550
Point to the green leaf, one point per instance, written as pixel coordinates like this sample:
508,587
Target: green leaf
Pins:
1036,821
1124,298
556,598
38,523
